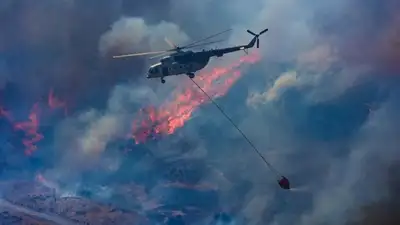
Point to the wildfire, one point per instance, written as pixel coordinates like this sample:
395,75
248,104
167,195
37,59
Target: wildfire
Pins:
173,115
31,126
151,121
53,102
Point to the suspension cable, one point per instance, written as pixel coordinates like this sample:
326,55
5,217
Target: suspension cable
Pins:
238,129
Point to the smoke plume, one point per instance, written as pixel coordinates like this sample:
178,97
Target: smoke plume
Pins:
318,99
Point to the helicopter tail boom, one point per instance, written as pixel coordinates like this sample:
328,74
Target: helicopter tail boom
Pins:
255,39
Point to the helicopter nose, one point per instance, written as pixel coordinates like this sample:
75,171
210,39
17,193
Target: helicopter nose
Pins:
148,74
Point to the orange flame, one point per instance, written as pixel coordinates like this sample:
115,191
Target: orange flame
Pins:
173,115
54,102
31,127
31,130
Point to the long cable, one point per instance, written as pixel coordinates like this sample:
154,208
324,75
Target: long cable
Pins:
238,129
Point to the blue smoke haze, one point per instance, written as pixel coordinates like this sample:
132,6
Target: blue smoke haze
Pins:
321,105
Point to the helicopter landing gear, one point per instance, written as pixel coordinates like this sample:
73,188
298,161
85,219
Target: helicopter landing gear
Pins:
162,81
191,75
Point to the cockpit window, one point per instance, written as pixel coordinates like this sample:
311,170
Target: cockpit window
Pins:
154,69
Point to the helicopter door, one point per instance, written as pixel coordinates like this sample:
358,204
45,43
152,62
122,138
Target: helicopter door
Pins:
165,71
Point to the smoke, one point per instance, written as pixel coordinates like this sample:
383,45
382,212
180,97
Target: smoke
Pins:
82,140
4,78
367,160
322,66
320,128
337,77
56,45
386,210
284,81
129,33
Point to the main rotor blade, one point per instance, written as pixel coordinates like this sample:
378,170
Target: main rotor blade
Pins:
251,32
206,38
159,55
137,54
166,53
263,31
170,43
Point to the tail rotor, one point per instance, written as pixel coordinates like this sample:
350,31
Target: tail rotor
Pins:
257,35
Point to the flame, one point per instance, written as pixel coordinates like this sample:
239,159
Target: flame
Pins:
40,178
30,128
173,115
4,113
54,103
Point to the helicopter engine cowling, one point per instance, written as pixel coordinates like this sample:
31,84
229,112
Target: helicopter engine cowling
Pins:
167,60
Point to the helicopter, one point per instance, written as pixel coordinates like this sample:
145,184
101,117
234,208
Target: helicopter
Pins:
188,62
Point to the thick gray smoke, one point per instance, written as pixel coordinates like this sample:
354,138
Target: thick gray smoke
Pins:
55,44
130,34
321,103
386,210
325,118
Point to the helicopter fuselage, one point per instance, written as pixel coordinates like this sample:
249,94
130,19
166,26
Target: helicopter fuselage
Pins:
189,62
179,63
